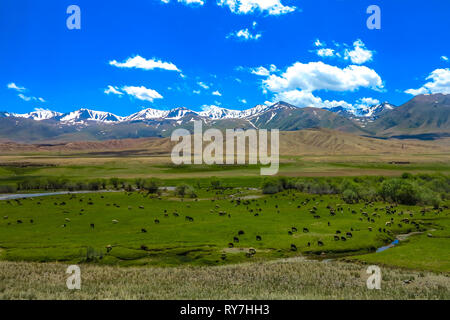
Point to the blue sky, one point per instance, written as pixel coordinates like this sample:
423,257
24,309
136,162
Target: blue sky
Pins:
235,54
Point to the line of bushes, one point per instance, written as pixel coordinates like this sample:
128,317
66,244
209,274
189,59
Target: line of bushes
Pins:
408,189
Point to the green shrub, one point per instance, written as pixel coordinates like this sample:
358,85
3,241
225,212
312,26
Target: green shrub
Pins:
151,185
271,186
7,189
184,190
350,196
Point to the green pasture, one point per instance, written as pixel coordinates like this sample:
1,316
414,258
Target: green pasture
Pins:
121,228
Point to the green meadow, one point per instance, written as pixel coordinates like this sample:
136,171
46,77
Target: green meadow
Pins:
219,227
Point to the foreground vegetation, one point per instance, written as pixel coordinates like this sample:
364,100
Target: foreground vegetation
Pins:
280,279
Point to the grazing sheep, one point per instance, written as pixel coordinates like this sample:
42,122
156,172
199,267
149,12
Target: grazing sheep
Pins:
144,247
67,219
230,245
305,230
370,228
336,238
19,221
144,230
320,243
343,239
258,238
156,221
309,244
5,217
141,207
63,226
329,224
349,234
115,221
92,226
190,219
236,239
290,233
31,221
294,229
241,232
293,247
338,231
108,248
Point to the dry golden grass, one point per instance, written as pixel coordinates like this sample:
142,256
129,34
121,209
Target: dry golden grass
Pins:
304,142
282,279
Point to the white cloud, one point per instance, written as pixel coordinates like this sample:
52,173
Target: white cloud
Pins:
368,101
192,2
141,63
113,90
445,58
260,71
23,97
244,35
359,54
13,86
203,85
196,91
325,52
243,101
302,99
142,93
217,93
320,76
318,43
271,7
307,99
439,83
17,88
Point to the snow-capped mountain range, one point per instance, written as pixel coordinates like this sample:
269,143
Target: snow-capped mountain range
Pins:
368,112
209,113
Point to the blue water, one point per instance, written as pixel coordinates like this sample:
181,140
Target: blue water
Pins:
392,244
32,195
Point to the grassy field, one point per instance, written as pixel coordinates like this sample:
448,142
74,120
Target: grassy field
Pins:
132,245
17,168
280,279
169,231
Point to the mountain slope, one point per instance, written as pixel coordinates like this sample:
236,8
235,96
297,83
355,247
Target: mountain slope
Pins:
423,115
290,118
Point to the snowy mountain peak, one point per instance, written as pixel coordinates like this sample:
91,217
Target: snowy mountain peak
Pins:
147,114
82,115
178,113
39,115
215,113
